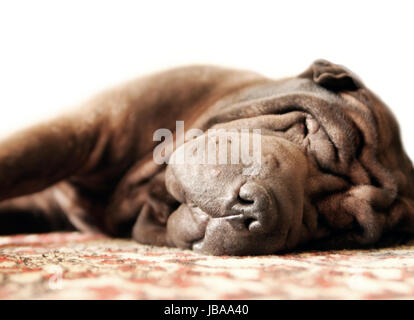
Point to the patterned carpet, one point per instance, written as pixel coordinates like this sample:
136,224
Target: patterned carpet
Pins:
80,266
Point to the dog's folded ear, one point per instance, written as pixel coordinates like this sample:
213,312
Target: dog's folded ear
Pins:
332,76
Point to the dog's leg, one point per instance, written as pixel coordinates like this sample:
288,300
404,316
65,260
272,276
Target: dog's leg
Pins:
44,154
34,213
36,158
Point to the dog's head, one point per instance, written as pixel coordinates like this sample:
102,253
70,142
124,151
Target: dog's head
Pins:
330,166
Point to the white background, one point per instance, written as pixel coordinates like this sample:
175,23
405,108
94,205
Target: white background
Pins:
54,54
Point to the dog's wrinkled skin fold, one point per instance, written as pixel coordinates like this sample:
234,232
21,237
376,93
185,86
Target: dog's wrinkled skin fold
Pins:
333,169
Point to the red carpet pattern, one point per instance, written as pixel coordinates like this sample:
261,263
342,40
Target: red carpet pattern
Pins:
81,266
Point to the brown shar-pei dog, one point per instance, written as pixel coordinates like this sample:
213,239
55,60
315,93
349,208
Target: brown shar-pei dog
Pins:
332,171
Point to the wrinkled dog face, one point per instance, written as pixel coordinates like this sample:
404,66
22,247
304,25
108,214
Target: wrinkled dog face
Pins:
318,162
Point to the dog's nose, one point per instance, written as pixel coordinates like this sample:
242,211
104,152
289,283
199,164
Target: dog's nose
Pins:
253,208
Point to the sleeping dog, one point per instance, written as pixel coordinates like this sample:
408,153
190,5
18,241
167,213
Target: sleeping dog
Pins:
331,167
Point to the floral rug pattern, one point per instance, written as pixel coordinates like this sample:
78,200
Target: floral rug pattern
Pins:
81,266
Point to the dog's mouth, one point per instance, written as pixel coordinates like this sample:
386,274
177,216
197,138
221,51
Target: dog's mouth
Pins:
197,245
186,226
252,211
247,209
229,235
